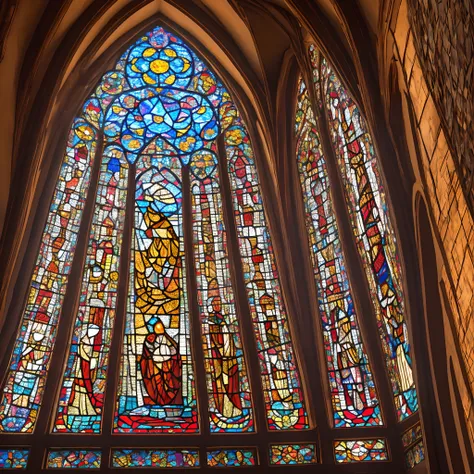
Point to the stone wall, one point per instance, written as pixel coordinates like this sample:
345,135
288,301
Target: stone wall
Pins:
452,219
443,33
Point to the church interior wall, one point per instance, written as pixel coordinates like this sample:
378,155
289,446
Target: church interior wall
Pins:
50,53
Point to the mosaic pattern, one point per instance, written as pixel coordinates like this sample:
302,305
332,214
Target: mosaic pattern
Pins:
231,458
374,235
412,441
360,451
230,405
413,434
353,394
160,458
73,458
280,379
82,395
415,454
160,107
156,389
26,377
181,124
13,458
166,92
286,454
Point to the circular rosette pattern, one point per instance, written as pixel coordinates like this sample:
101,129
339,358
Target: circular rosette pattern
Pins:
168,64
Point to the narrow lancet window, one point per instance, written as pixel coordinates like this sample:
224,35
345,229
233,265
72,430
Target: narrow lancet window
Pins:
374,234
353,394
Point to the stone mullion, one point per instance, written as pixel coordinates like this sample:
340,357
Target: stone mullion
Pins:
310,328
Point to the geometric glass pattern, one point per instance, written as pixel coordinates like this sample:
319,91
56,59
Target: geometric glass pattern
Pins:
286,454
232,457
13,458
73,459
353,393
360,451
158,458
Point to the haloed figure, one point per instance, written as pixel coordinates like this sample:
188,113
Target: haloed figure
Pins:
272,331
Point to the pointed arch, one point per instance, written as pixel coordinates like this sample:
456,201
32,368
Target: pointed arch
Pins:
155,117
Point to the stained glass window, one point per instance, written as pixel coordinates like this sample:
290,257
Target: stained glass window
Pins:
157,248
231,458
353,394
156,391
327,108
159,458
230,406
415,454
73,459
373,232
286,454
143,213
281,385
24,387
13,458
412,441
82,393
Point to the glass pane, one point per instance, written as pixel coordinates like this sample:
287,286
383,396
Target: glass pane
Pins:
412,441
347,451
73,458
353,393
159,458
234,457
415,454
286,454
413,434
14,458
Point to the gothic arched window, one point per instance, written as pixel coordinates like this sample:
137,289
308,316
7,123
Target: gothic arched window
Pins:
155,320
327,108
162,162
